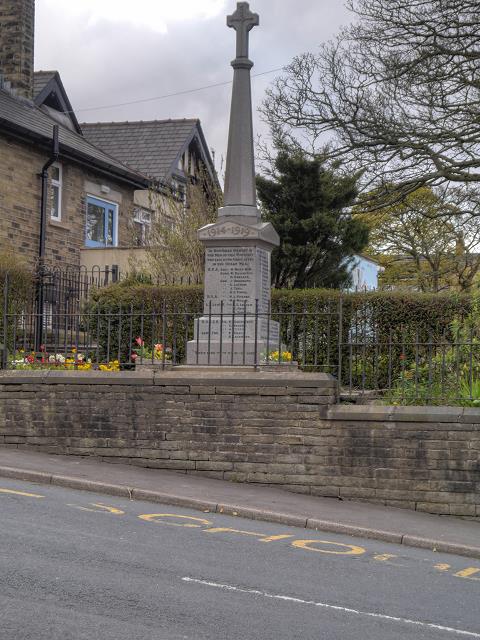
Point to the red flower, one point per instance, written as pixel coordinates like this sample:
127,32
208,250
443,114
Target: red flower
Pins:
139,341
403,356
42,347
134,356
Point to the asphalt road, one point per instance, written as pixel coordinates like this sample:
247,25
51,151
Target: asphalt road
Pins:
80,566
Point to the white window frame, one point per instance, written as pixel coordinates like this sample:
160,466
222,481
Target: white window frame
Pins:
143,218
57,184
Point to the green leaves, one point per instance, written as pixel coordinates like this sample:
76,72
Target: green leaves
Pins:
306,202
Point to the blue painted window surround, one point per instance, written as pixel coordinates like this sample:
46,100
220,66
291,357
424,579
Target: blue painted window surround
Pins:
102,223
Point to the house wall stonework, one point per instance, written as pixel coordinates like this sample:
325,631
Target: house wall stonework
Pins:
274,430
20,196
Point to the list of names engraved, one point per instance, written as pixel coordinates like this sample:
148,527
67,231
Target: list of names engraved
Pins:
229,277
263,279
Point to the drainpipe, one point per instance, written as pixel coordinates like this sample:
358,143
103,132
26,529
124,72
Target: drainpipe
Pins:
43,230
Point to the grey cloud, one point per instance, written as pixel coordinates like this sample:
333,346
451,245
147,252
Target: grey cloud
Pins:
109,63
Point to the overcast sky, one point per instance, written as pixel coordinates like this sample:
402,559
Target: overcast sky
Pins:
116,51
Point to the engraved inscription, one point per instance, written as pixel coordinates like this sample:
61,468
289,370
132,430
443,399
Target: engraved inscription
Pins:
229,277
229,230
263,279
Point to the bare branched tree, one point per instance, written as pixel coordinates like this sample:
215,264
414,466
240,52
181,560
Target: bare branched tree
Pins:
397,95
173,249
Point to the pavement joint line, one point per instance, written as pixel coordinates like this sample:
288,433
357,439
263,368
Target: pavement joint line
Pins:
330,526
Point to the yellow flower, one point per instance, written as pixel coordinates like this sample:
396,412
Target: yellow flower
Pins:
111,366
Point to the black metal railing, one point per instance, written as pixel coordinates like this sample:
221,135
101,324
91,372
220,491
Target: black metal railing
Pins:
398,364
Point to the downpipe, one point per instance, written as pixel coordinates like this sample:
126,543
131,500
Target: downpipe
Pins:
55,153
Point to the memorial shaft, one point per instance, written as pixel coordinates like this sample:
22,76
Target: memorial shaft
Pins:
235,328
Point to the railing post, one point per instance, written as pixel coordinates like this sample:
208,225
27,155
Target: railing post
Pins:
340,344
164,333
39,320
256,335
5,322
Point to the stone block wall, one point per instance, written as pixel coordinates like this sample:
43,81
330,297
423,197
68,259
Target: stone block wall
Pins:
277,429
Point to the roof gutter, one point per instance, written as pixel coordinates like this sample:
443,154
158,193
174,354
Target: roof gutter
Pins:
126,176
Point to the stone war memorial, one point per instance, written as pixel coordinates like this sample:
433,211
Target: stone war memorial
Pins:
236,328
228,410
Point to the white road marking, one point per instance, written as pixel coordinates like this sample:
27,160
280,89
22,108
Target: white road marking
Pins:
324,605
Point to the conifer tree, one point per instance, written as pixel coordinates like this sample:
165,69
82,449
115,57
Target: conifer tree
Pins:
308,203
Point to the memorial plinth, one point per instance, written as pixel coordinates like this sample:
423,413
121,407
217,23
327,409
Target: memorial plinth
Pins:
236,328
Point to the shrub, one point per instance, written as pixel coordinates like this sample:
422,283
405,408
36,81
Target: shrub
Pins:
17,287
375,328
18,280
119,314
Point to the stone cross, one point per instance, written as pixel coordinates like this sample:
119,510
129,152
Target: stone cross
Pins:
243,21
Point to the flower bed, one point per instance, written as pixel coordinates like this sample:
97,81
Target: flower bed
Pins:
143,355
71,360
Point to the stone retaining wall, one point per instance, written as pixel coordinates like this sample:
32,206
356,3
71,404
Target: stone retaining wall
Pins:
282,429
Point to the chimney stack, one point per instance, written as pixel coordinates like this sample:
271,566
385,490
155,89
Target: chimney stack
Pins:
17,25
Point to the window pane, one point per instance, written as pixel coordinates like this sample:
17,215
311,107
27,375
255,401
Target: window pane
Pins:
55,211
110,227
138,234
95,223
55,173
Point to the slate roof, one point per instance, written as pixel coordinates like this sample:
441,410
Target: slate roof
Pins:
151,147
40,81
22,118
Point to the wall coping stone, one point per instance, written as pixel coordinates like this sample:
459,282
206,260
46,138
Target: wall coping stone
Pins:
373,413
183,377
243,377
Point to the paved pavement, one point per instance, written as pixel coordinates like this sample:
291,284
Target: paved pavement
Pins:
78,565
257,502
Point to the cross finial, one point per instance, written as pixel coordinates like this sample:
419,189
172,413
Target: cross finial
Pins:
243,20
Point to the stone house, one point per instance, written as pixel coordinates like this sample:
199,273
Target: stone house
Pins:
365,271
91,194
97,204
173,154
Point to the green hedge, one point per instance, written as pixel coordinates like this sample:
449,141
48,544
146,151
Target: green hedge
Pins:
21,282
407,313
17,282
372,322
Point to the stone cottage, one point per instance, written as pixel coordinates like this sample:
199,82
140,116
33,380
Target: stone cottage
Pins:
97,205
91,194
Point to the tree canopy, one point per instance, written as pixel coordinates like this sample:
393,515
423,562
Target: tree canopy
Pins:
424,244
397,92
306,203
